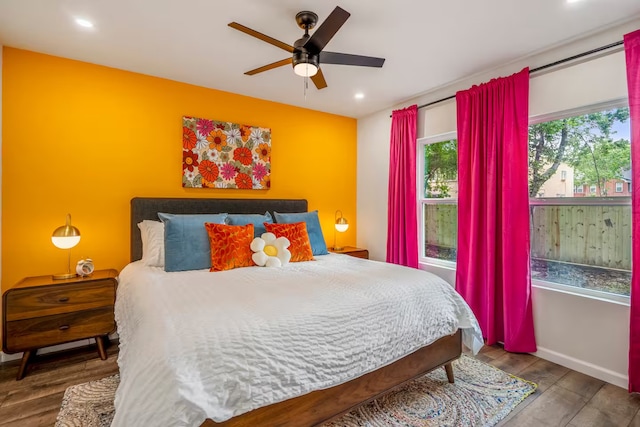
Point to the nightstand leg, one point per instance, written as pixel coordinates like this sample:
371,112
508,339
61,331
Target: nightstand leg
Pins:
26,356
101,351
449,369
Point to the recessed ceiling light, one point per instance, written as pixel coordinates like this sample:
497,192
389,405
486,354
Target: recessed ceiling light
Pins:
359,95
573,1
84,23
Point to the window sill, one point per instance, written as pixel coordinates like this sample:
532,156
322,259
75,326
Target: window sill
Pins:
433,262
584,293
426,263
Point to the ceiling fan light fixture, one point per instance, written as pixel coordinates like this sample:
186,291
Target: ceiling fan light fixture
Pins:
305,64
305,70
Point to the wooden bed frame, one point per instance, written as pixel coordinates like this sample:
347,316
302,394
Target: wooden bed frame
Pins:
318,406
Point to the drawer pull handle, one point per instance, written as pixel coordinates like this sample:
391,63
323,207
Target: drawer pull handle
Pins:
64,327
63,299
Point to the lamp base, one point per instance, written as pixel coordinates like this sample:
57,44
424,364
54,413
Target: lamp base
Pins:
62,276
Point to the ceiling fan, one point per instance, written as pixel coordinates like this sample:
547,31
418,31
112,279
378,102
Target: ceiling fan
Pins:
307,51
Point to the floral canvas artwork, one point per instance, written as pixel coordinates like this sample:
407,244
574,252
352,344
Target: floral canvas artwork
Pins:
225,155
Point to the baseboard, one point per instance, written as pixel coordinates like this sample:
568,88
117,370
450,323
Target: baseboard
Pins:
4,357
586,368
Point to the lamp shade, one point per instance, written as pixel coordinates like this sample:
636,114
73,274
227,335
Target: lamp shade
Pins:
342,224
66,236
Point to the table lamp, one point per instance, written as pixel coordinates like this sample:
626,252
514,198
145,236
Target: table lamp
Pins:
341,226
65,237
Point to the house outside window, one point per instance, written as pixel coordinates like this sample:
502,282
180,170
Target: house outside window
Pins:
560,181
438,197
577,242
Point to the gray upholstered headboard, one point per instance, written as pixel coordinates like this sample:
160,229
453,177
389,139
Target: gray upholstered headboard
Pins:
147,208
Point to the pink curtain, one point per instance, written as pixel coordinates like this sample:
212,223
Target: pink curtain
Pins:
632,52
493,271
402,225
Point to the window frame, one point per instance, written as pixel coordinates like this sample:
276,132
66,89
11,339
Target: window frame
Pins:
421,143
567,201
536,282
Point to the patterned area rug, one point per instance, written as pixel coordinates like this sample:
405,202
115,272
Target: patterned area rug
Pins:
481,396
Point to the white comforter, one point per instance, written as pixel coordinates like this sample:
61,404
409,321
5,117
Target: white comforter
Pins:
197,345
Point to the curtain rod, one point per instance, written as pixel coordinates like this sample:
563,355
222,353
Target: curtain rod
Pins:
543,67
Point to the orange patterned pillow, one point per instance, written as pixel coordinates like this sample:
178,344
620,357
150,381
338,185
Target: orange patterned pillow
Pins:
296,232
230,246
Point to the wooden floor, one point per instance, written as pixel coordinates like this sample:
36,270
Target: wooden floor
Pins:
35,400
564,397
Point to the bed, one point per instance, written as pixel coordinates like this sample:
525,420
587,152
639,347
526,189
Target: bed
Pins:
291,346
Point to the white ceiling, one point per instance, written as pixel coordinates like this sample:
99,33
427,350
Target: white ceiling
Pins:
426,43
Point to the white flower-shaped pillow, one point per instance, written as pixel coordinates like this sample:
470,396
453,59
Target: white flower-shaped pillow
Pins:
270,251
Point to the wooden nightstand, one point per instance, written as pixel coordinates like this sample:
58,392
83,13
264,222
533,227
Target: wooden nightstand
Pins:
352,251
40,312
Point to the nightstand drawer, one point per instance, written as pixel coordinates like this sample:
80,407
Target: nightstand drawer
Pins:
359,254
49,330
351,251
26,303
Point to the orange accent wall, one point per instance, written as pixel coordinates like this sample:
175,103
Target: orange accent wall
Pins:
84,139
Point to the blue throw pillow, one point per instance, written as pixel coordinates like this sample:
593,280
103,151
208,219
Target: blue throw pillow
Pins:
186,242
318,245
256,219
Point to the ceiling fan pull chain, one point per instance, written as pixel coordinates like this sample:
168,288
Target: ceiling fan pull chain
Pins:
306,86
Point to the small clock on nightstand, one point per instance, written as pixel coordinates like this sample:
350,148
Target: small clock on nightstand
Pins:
40,312
351,251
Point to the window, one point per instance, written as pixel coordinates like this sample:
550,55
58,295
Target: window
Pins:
563,175
438,197
577,241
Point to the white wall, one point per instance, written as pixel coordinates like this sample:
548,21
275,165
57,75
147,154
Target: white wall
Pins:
372,183
585,334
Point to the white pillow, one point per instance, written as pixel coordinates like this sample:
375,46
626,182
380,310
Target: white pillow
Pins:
152,234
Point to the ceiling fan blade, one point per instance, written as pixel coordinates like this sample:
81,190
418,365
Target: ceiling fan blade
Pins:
269,67
348,59
318,80
327,30
261,36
